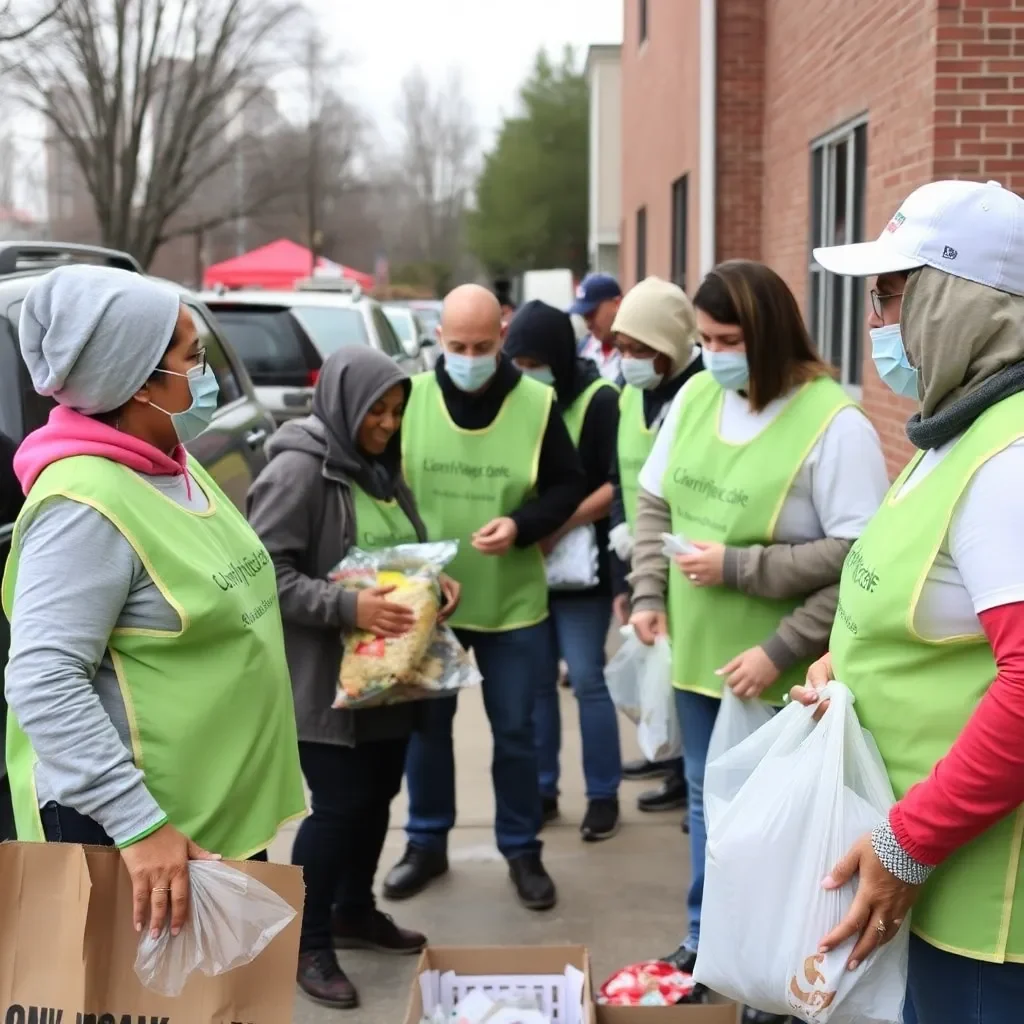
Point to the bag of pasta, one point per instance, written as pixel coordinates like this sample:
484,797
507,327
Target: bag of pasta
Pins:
428,661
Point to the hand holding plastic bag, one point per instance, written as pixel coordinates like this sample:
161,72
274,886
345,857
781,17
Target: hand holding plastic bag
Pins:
573,562
788,803
639,680
232,919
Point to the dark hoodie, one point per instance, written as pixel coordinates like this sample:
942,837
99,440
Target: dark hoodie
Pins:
545,334
302,507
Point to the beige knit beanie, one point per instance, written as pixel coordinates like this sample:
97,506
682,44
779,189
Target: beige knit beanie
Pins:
658,314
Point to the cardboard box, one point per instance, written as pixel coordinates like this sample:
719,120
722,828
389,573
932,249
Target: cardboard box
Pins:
494,967
723,1013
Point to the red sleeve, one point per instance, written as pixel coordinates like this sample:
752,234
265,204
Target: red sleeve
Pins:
981,779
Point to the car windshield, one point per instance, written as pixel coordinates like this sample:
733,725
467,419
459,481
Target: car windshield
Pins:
332,327
402,323
429,317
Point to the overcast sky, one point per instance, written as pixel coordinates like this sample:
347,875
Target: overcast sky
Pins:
492,42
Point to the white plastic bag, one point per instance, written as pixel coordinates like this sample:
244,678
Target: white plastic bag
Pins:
793,798
639,680
676,544
573,564
232,919
737,720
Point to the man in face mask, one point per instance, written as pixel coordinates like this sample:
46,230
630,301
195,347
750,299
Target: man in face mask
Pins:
597,301
490,462
656,333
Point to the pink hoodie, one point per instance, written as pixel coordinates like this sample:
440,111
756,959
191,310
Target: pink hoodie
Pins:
69,433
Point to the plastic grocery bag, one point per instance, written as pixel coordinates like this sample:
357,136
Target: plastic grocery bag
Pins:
428,661
572,564
232,919
676,544
737,720
639,679
792,799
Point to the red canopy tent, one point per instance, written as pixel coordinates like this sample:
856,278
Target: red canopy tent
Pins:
276,266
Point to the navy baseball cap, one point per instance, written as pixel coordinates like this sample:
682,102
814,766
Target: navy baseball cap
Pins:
593,290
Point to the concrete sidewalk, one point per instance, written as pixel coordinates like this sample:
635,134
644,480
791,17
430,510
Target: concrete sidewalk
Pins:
624,899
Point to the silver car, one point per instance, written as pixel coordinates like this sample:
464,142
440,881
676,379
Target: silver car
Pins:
284,337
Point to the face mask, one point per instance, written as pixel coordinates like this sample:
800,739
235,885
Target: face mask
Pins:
543,374
730,369
640,373
191,422
890,359
470,373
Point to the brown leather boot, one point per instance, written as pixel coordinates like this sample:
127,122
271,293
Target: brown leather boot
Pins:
323,981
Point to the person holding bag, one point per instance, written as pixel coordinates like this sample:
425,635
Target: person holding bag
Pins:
148,686
541,342
769,472
930,631
334,483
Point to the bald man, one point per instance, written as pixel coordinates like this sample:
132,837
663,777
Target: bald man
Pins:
491,464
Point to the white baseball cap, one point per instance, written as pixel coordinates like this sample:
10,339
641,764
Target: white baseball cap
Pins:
963,228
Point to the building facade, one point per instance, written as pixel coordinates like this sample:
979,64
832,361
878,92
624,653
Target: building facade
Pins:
604,77
817,118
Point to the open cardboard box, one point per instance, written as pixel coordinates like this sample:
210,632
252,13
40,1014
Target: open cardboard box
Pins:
496,968
722,1013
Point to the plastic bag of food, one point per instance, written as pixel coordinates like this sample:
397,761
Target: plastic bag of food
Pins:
232,918
428,661
794,798
573,562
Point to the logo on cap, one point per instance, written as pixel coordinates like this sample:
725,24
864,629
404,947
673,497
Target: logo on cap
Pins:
949,253
581,292
897,220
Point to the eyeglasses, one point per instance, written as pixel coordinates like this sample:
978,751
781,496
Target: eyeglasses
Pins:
878,301
200,358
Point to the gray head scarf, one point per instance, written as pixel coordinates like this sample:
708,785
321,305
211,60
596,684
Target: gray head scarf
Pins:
92,336
350,382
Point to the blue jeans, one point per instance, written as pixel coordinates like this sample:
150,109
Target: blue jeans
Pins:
697,714
511,664
579,629
947,988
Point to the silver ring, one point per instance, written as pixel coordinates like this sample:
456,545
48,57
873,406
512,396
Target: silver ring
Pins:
164,888
881,928
693,577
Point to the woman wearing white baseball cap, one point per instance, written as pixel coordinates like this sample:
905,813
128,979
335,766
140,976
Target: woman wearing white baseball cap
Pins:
930,634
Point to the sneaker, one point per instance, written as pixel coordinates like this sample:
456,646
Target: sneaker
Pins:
637,771
683,959
752,1016
377,931
669,796
601,820
534,886
324,982
414,872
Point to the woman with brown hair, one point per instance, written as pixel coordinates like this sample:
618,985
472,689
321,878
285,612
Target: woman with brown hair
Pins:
769,471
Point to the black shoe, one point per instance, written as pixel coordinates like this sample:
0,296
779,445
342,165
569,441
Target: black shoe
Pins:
699,994
601,820
683,959
549,809
686,825
323,981
414,872
669,796
635,771
377,931
752,1016
534,886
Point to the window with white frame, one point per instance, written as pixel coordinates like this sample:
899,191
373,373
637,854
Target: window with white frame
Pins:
836,304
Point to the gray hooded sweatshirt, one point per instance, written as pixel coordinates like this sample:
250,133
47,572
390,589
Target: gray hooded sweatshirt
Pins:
303,509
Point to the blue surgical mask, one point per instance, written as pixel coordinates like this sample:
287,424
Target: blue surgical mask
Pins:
640,373
191,422
890,359
543,374
470,373
730,369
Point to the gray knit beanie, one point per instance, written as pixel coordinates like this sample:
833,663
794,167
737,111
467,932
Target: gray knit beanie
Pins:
92,336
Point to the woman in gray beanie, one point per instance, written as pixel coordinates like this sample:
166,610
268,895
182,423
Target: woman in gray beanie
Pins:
148,688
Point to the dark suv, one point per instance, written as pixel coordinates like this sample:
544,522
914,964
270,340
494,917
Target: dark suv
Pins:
231,449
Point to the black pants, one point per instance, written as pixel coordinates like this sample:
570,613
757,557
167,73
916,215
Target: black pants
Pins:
63,825
338,846
7,829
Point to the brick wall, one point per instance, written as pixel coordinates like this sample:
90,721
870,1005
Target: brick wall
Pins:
660,130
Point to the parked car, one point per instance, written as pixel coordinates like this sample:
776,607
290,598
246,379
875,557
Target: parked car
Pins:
284,337
412,332
231,449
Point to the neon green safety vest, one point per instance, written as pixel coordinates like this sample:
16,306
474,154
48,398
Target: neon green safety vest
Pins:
732,494
915,695
576,414
380,524
462,479
210,705
635,444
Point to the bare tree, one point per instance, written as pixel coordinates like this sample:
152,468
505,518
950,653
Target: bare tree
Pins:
149,99
16,25
437,163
